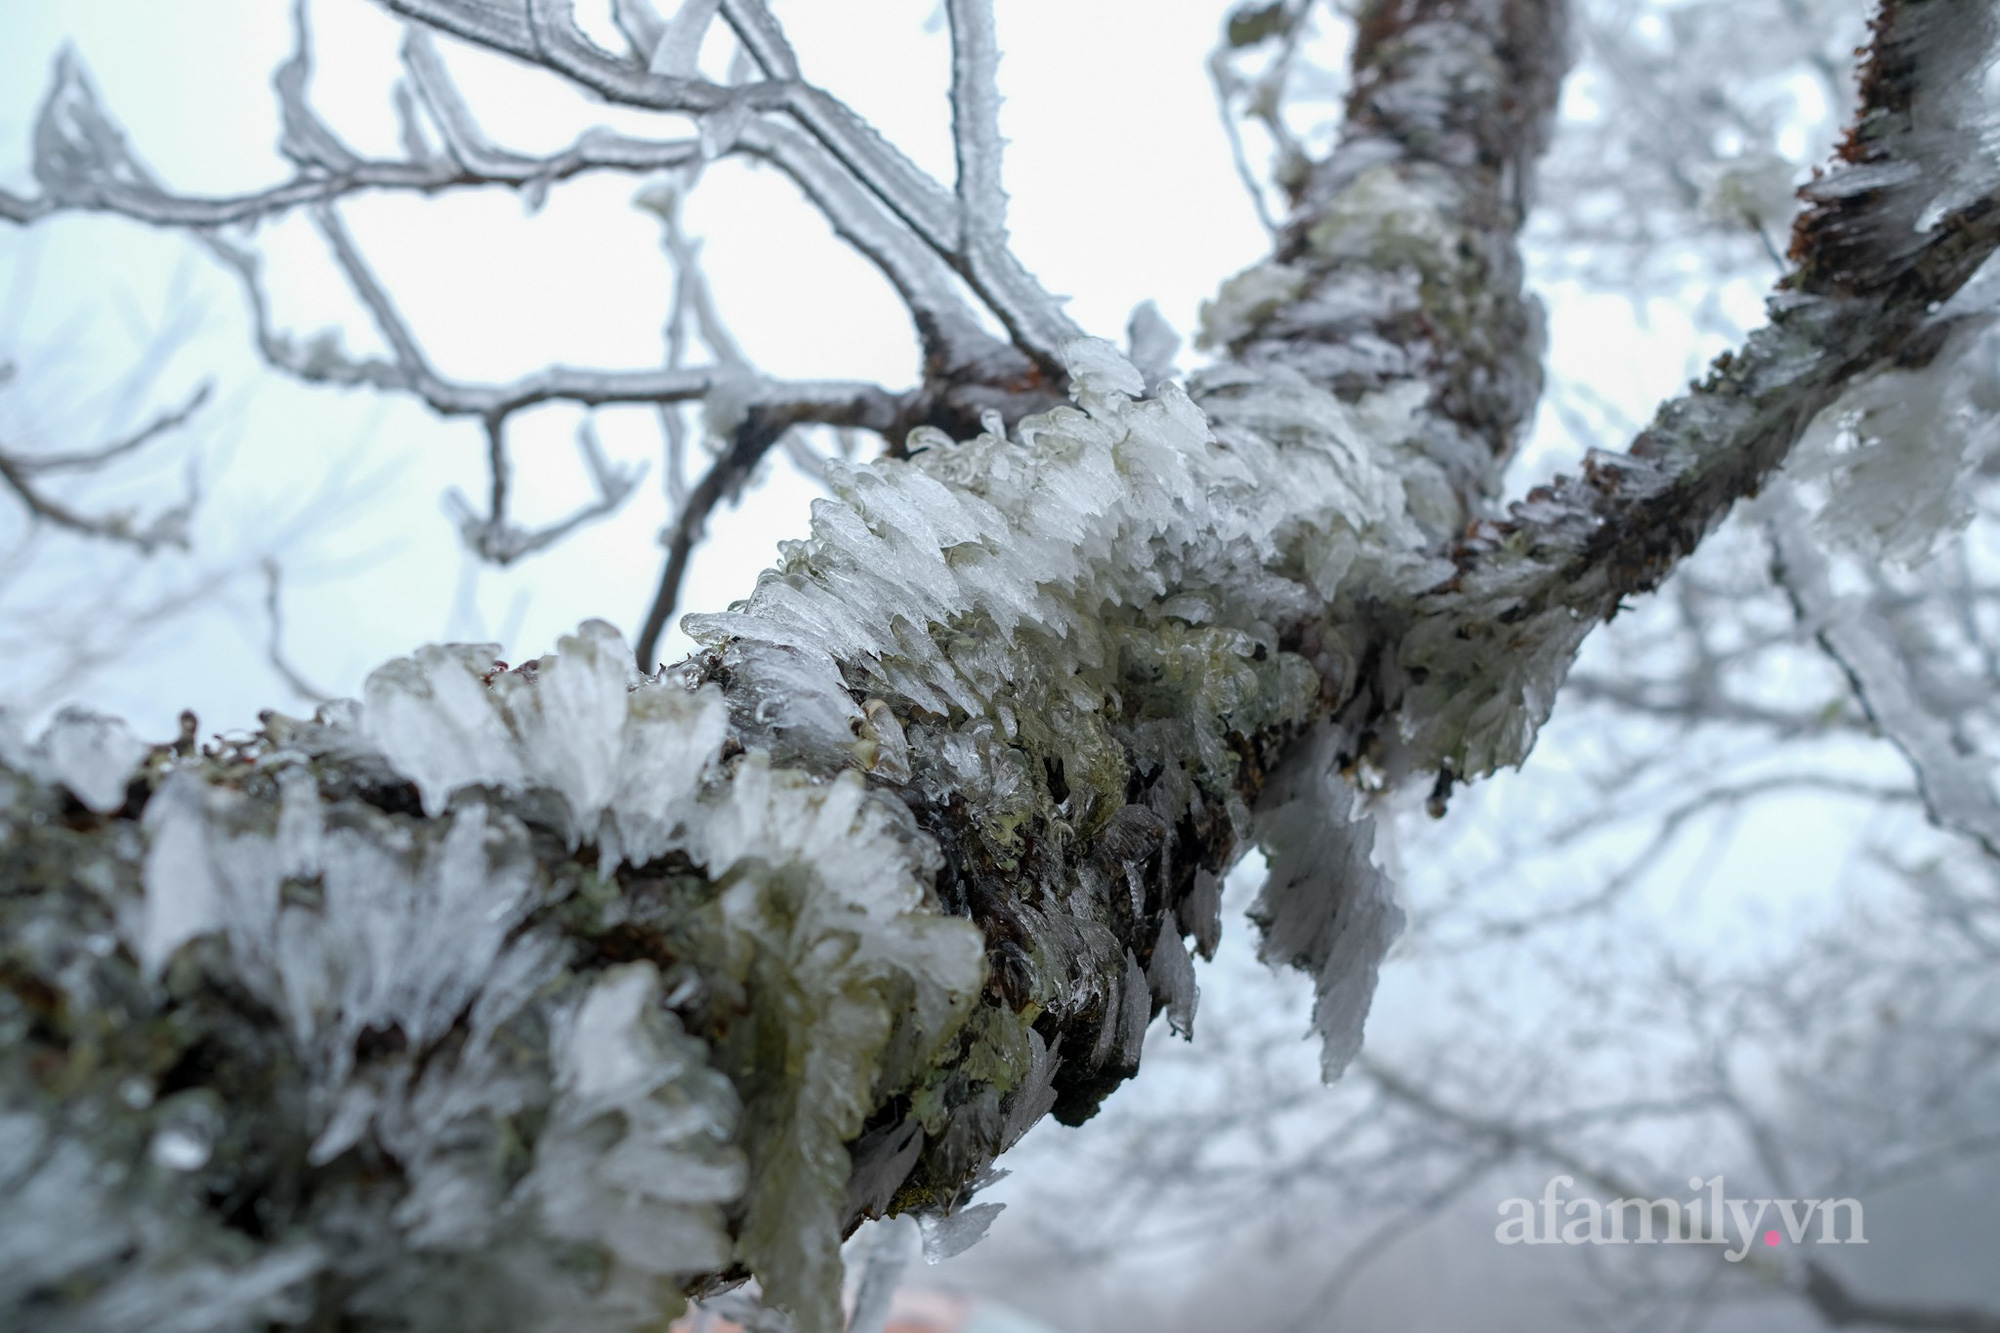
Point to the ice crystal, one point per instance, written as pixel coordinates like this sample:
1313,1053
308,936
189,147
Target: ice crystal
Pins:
92,756
622,754
1890,462
855,985
951,1234
639,1155
420,941
1325,908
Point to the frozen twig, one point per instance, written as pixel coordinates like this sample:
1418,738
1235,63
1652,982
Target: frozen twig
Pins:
83,162
20,472
1032,317
1240,95
494,537
975,121
274,640
86,460
762,426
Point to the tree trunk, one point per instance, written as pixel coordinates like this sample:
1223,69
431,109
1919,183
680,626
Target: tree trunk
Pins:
537,998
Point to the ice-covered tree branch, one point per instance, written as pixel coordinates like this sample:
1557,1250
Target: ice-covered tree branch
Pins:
555,994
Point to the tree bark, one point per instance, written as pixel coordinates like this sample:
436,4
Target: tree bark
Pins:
541,997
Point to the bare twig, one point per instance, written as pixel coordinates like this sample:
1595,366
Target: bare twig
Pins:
169,527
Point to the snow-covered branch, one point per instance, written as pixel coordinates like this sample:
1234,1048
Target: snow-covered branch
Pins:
547,996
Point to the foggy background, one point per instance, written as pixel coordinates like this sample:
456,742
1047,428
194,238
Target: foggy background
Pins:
1707,930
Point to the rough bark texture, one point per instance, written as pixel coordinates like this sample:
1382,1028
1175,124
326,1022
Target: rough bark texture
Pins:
538,998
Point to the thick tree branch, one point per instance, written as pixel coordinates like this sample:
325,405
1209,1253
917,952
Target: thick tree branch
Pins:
1399,262
914,867
1866,294
571,992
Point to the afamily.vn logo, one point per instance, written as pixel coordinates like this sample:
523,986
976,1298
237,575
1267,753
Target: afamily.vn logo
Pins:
1709,1218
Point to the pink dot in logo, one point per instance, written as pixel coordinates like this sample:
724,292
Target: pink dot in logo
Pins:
1770,1238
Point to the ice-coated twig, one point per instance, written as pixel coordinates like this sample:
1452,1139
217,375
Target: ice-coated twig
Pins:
1866,283
1032,317
1251,29
950,333
674,432
642,25
678,48
545,33
274,635
84,460
499,24
380,306
167,528
83,163
1782,723
693,300
763,38
304,138
321,361
975,121
763,425
494,537
1727,798
904,188
19,472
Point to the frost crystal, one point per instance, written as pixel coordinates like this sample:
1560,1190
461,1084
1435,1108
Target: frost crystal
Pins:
623,755
948,1235
1891,460
92,755
1325,908
638,1157
856,984
1105,588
